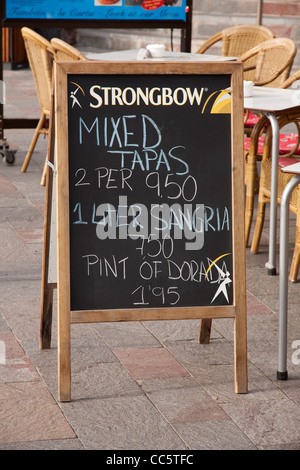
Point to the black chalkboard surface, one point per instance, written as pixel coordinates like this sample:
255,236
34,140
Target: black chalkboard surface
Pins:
150,191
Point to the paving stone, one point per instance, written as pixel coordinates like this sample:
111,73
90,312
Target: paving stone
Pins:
166,383
291,388
15,365
31,235
88,347
174,330
267,422
214,435
62,444
217,352
29,413
126,335
187,405
23,316
254,306
103,381
121,423
218,382
150,363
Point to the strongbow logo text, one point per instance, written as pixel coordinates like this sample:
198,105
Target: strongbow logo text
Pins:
111,96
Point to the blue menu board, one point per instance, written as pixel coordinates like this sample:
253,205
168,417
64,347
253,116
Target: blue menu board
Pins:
166,10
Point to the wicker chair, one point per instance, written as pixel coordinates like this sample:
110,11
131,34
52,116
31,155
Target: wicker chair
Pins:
283,178
40,57
64,51
253,155
269,63
237,39
273,62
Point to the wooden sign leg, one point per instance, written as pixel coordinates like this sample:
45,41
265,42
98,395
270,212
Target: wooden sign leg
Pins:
46,316
64,357
204,330
240,354
47,288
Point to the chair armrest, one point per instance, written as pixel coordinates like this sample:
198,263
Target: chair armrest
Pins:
209,42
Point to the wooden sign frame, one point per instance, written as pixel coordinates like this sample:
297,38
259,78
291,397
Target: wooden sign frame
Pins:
237,310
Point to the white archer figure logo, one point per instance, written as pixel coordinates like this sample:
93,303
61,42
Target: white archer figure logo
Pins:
224,276
73,93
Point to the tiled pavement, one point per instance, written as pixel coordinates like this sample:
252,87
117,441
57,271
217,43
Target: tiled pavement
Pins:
140,385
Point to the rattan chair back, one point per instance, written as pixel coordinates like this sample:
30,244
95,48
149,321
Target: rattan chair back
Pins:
237,40
40,57
64,51
39,54
269,63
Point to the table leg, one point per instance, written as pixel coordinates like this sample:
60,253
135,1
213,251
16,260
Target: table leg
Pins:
282,373
271,264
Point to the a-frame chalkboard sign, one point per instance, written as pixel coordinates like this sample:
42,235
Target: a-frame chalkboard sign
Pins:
149,197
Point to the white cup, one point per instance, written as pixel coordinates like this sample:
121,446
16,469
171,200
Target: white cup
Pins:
156,50
248,88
